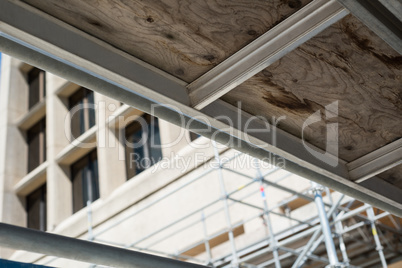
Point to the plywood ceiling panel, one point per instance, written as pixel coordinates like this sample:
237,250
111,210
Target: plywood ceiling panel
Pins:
185,38
393,176
346,63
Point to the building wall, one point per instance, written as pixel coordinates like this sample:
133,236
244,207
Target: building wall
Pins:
119,197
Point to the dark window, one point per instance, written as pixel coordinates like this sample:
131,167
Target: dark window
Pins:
84,175
143,145
36,209
83,118
36,138
37,88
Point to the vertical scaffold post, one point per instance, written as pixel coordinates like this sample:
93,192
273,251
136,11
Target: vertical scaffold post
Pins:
326,230
235,262
267,217
342,246
339,231
379,248
89,219
89,203
89,209
206,241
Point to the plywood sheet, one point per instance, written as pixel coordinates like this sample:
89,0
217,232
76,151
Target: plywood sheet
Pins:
393,176
345,63
185,38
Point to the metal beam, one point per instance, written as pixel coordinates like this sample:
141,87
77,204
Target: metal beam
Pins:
383,17
278,142
43,41
81,250
376,162
394,6
267,49
383,188
326,229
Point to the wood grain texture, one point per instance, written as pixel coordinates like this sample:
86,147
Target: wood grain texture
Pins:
393,176
185,38
345,63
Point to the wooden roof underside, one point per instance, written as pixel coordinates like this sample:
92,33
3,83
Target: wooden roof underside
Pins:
346,62
184,38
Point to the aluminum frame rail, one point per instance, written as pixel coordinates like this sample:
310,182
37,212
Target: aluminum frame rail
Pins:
264,51
81,250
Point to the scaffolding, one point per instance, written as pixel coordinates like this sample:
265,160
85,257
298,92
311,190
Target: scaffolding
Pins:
336,236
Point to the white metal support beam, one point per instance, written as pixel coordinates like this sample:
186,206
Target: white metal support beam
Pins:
384,188
52,45
376,162
81,250
265,50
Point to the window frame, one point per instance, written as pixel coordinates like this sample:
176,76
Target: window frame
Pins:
85,97
33,75
38,129
135,127
88,186
42,217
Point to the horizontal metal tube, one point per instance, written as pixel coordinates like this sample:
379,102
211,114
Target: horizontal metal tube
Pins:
81,250
152,203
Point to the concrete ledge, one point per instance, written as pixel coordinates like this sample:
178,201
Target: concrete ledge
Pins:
32,180
75,150
36,113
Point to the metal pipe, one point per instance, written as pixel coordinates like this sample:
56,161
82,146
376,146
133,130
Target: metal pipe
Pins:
153,251
313,248
225,231
226,206
309,256
306,249
218,210
326,229
338,228
176,221
263,242
353,227
273,241
153,203
301,234
269,211
89,220
379,248
167,195
269,262
342,246
171,224
191,224
208,215
294,238
206,241
81,250
275,185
